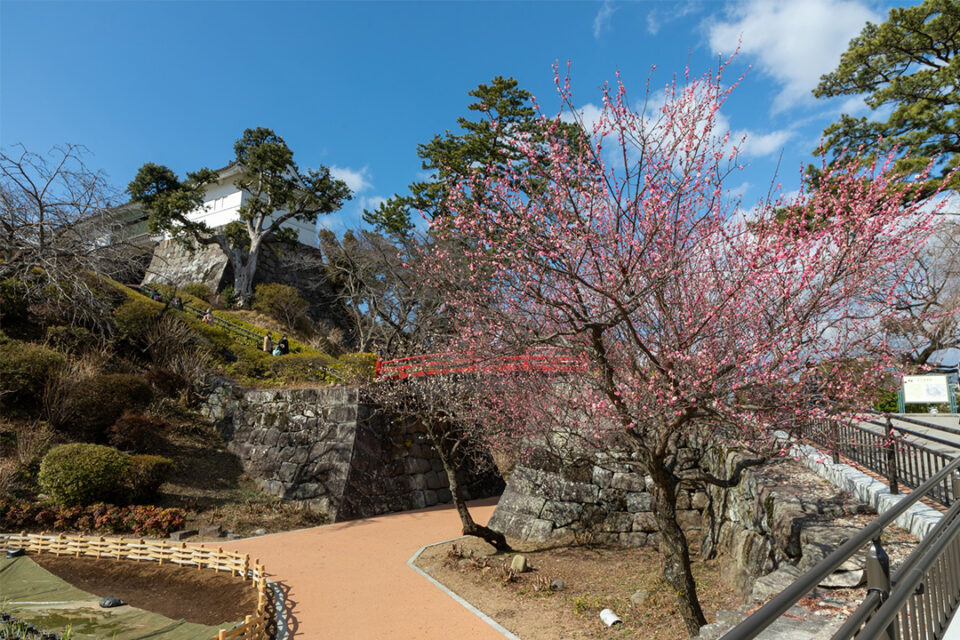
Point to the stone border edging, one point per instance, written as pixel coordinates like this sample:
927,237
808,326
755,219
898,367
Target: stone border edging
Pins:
918,519
472,609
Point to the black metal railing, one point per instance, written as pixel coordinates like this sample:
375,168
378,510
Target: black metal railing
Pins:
915,604
238,332
891,450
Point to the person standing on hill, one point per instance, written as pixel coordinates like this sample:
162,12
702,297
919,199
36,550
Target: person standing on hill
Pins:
268,342
283,345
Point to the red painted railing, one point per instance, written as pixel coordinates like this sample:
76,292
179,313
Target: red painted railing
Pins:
444,363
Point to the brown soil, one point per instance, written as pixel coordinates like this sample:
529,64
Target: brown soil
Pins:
594,578
203,597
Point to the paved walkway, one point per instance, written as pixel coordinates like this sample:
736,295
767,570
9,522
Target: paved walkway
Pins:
350,580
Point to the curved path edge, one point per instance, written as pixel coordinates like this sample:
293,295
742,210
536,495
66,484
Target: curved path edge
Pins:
472,609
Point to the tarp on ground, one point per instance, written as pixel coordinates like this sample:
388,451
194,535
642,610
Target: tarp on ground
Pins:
31,593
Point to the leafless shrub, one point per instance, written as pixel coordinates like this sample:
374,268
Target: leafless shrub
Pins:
56,233
57,409
173,347
33,440
8,474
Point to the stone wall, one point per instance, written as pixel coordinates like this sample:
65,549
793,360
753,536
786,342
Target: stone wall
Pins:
329,449
591,499
778,521
172,263
295,265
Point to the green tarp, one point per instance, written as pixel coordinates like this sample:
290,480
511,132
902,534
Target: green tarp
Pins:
31,593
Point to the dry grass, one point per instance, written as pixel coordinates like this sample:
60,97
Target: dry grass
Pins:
595,577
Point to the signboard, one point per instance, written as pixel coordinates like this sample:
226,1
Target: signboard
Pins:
925,389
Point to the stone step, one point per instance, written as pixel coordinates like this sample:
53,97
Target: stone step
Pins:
796,624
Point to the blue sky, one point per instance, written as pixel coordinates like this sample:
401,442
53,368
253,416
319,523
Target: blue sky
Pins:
357,85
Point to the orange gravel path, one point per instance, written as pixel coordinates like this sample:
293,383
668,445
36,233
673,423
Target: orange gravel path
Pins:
350,580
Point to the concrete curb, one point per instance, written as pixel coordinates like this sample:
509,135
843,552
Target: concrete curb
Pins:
472,609
919,519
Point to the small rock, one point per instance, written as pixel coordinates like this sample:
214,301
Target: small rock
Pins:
557,585
212,531
463,562
639,597
519,563
258,532
15,553
233,536
183,534
111,601
844,579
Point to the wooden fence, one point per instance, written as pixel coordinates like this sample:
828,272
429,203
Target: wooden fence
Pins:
254,627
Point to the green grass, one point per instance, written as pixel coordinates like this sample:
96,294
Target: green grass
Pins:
247,364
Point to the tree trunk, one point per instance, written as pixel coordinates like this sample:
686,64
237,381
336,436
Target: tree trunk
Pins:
674,551
244,270
470,528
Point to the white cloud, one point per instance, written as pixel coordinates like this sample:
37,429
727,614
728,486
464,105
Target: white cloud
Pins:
667,12
793,41
754,144
601,21
372,202
587,115
357,180
759,145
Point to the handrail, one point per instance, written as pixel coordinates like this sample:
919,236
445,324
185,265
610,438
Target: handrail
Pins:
920,423
912,573
237,330
440,363
765,616
911,432
227,325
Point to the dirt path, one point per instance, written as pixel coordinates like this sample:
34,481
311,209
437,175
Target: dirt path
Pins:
351,581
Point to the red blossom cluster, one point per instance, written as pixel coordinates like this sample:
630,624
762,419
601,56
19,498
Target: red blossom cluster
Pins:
100,518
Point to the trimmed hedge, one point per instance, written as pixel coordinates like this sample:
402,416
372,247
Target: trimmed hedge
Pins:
81,473
134,432
145,475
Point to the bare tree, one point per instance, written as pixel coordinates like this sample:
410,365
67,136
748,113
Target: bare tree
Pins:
929,301
375,277
55,231
441,404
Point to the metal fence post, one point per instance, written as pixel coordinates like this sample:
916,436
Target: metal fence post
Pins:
878,579
891,447
836,441
955,487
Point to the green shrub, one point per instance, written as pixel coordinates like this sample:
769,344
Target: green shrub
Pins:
81,473
229,295
281,302
3,338
135,432
135,317
197,290
356,367
94,404
70,339
145,475
25,370
13,304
